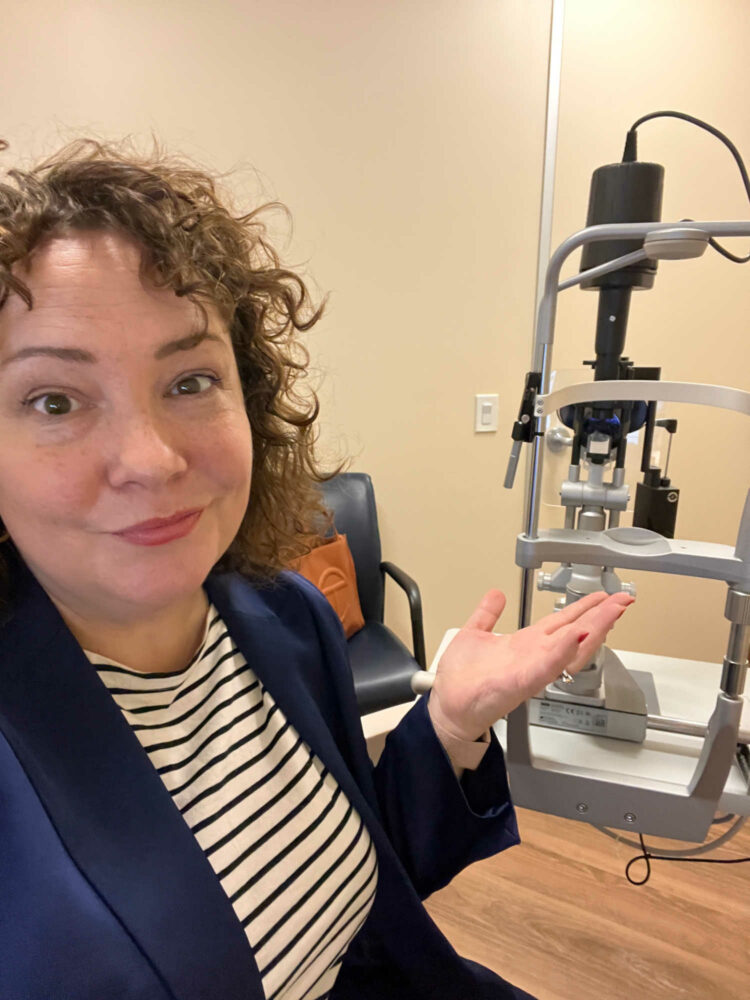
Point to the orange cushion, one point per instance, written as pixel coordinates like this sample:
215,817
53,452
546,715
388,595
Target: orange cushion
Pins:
331,568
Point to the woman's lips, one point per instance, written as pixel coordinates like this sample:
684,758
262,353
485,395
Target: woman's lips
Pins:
161,530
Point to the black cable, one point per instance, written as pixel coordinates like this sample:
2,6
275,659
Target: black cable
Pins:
647,856
630,154
723,819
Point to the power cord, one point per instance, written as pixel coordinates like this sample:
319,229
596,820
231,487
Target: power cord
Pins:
630,154
647,856
686,855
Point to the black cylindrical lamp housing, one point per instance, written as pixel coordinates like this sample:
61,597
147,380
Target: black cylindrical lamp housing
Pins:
622,192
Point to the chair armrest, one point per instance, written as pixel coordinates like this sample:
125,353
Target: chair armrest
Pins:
415,608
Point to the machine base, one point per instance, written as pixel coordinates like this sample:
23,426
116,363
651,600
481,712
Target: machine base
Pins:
611,715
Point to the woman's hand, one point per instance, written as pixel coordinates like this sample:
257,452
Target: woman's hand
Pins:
481,677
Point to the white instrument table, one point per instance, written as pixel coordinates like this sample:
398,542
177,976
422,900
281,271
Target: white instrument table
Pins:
686,690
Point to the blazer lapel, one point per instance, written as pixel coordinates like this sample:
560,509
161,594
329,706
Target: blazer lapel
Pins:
288,661
111,809
299,658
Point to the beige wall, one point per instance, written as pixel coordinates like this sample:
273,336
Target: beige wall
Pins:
407,139
623,59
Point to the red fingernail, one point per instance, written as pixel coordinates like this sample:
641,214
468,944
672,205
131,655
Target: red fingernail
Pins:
582,636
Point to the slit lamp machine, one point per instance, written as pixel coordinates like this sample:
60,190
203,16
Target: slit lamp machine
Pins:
635,742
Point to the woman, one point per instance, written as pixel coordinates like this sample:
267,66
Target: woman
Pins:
187,809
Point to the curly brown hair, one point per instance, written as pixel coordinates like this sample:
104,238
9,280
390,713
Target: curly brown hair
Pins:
191,242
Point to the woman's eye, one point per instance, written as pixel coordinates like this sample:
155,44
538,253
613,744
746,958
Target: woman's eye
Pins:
191,385
53,404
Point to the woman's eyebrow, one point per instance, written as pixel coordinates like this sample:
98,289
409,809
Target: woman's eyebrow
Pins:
77,354
186,343
65,353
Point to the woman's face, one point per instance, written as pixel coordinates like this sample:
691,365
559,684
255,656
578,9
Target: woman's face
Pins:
112,413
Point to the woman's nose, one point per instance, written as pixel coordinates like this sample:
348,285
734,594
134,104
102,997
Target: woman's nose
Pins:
142,450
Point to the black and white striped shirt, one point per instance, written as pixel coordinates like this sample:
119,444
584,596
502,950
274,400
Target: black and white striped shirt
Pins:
291,853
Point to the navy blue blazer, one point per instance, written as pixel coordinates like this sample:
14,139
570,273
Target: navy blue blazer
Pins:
104,892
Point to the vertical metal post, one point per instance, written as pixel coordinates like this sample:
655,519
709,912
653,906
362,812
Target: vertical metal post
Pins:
735,662
554,68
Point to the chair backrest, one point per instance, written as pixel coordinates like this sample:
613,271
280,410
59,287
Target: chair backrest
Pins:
351,499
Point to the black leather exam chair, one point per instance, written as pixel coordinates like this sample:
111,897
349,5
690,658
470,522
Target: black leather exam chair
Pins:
381,663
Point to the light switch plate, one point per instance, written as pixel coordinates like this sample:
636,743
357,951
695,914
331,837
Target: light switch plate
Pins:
486,407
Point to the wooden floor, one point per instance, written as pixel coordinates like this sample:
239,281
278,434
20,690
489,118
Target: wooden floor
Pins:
557,917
